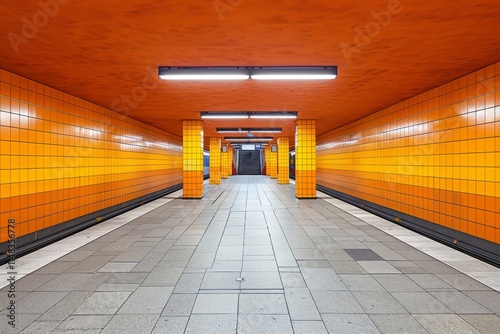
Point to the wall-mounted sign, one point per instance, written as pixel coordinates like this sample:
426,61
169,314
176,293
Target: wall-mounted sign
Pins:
247,147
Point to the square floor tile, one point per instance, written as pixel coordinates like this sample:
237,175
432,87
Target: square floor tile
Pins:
363,255
216,304
349,324
212,324
378,267
262,304
264,324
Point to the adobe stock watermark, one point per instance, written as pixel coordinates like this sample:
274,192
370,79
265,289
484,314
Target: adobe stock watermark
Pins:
11,273
365,34
32,25
223,6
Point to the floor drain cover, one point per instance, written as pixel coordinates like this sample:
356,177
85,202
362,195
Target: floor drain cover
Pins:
240,279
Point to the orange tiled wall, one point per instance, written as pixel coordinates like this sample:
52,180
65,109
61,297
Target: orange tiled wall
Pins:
435,156
62,157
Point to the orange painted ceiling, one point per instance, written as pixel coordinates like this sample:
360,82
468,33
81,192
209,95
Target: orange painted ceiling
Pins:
103,51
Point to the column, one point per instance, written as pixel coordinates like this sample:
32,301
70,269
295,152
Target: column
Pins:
283,161
192,159
305,159
215,160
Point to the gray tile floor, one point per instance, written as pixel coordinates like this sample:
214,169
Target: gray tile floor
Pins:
250,258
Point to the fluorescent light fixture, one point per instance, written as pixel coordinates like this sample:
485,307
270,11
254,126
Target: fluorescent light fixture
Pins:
247,140
223,115
249,130
249,114
228,130
294,73
203,73
275,115
247,72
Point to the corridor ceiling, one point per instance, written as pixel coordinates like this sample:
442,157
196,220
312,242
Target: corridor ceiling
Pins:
385,50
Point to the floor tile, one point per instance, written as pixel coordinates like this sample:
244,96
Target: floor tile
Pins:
488,323
103,303
378,267
264,324
445,323
379,303
39,302
322,279
170,325
301,305
309,327
125,324
336,302
216,304
220,281
212,324
396,323
363,255
349,324
146,300
421,302
85,322
179,305
262,304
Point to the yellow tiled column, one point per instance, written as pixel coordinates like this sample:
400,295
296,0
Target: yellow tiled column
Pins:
215,160
273,164
305,159
283,161
192,159
224,169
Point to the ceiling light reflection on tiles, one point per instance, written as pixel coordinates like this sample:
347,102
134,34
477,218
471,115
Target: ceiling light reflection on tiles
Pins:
187,73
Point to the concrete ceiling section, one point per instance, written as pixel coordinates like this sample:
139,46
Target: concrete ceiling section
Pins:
108,52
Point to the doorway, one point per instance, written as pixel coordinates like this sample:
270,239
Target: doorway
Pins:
249,163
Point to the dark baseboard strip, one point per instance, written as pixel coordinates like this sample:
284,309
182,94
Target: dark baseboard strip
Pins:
36,240
481,249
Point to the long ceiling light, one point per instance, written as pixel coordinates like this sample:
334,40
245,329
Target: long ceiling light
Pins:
248,72
294,73
274,115
249,130
203,73
223,115
248,140
248,114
